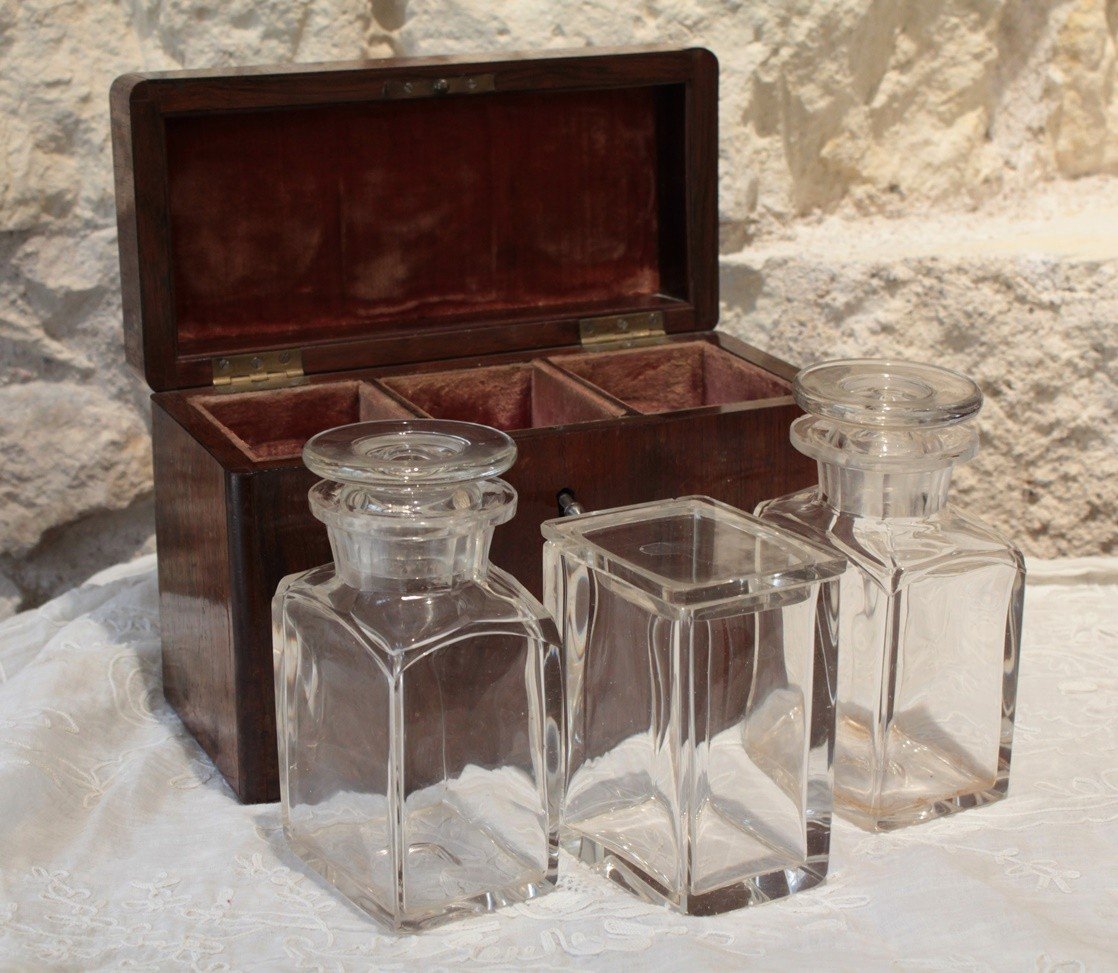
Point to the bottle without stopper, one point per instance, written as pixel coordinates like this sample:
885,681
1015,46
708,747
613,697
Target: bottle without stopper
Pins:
700,655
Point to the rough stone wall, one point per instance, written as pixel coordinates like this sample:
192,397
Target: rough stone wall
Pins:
75,455
897,176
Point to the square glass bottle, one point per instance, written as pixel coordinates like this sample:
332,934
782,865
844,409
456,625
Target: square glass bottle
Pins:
418,688
931,602
700,652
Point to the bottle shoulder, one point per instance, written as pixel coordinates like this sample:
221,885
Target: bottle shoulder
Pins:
393,621
947,539
964,523
803,506
305,580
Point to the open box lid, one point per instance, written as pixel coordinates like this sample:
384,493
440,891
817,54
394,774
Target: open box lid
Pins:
341,216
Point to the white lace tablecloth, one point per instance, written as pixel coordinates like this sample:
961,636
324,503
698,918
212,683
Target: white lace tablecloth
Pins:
121,847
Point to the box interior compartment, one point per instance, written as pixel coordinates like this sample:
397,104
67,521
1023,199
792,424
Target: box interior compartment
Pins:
519,396
328,222
276,423
668,378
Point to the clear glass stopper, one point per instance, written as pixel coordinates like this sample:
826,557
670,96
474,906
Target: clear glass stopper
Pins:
409,452
410,500
883,416
887,394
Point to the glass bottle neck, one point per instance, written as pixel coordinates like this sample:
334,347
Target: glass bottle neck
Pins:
881,472
411,538
869,493
377,559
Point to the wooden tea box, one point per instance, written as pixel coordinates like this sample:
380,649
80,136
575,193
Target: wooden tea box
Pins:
528,242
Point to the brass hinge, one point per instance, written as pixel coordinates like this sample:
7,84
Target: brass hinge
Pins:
622,327
266,369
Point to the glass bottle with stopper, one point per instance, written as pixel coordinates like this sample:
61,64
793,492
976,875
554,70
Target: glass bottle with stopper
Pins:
418,687
931,602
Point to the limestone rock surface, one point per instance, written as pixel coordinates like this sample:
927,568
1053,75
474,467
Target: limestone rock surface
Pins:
65,444
1023,299
1084,80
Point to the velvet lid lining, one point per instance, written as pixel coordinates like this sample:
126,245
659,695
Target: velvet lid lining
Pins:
322,223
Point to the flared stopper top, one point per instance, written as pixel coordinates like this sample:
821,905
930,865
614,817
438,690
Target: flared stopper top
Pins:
411,503
887,394
409,452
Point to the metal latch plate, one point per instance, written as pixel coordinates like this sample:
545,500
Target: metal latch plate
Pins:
468,84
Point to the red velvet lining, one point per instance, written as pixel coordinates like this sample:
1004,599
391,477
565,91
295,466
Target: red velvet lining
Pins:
667,378
314,224
275,423
522,396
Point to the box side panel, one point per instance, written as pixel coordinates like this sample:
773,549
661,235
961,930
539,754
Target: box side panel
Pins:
702,187
195,591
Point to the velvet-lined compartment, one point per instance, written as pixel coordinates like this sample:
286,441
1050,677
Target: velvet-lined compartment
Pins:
325,222
276,423
669,378
520,396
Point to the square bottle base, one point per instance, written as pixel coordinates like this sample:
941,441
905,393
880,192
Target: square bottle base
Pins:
362,896
882,820
748,891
